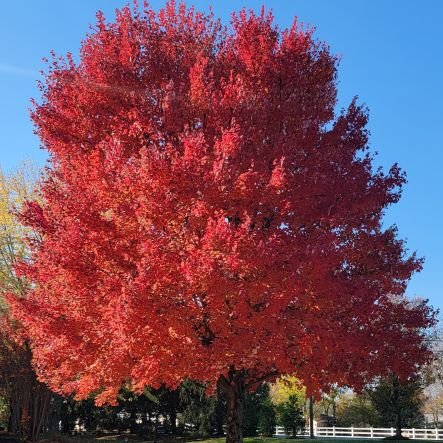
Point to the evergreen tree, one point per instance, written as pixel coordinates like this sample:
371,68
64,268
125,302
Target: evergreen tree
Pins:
290,416
256,405
198,408
398,402
267,419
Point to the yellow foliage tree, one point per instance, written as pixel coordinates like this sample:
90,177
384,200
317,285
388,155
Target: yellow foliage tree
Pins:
15,188
23,396
286,387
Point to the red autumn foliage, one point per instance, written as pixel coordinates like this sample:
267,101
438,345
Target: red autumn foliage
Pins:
206,211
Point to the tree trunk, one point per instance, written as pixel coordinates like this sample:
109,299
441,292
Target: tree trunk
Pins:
334,413
311,417
29,399
173,420
11,429
398,427
233,388
397,406
156,428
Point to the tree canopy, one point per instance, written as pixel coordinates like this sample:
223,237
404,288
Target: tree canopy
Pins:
206,214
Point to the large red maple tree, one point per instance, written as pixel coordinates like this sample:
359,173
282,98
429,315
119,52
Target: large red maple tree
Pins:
207,215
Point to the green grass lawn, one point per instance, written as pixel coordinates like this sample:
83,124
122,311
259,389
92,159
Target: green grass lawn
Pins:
305,440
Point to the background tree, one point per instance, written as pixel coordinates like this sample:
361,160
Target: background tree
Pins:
289,397
290,416
28,400
141,415
433,373
165,403
203,200
285,387
398,402
432,407
4,413
267,418
198,408
357,410
257,407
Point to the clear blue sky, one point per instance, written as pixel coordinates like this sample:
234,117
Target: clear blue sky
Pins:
392,58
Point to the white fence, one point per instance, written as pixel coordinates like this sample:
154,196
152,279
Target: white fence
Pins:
334,431
280,432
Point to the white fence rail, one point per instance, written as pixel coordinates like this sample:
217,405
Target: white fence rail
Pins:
280,432
352,432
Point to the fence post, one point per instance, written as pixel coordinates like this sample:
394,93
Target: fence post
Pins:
413,432
436,433
392,431
352,431
372,432
333,431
